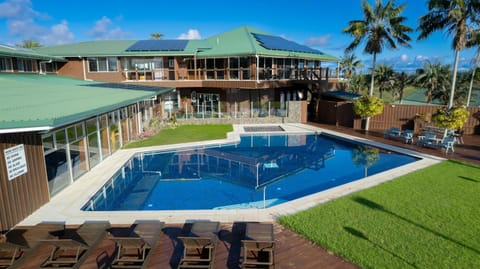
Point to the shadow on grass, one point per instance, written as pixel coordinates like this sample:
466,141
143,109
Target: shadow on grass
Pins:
469,179
375,206
361,235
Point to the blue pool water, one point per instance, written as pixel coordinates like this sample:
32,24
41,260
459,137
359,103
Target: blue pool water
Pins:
260,171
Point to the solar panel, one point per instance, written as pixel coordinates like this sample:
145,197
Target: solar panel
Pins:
158,45
279,43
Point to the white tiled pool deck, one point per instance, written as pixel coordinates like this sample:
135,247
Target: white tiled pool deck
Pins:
66,206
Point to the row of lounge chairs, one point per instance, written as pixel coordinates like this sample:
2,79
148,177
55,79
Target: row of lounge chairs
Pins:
63,247
432,137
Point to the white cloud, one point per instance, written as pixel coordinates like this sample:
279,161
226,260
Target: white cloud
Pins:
24,22
404,57
103,30
318,41
191,34
19,9
59,34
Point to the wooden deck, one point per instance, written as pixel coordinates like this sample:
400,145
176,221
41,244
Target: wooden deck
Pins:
469,151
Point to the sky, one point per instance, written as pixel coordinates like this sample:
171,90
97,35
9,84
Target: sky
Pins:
315,23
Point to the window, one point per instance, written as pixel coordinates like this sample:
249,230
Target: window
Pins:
26,65
5,64
102,64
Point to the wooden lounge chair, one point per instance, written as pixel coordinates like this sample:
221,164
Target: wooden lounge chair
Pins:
258,246
9,252
200,245
134,250
19,243
72,248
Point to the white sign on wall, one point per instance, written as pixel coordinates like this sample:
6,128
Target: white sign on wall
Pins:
15,161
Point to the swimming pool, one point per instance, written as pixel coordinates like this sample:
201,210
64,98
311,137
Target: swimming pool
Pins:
258,172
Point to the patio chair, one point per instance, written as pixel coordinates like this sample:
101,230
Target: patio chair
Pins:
258,246
9,252
72,248
135,249
199,246
19,243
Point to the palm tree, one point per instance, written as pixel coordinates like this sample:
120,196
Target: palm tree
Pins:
156,36
434,77
357,83
475,41
349,65
381,26
385,78
456,17
402,80
29,44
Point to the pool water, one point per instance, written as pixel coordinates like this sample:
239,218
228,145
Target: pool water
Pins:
258,172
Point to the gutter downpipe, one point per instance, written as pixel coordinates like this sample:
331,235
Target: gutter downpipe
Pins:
40,66
256,68
83,64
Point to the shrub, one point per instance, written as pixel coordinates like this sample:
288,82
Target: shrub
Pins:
453,118
368,106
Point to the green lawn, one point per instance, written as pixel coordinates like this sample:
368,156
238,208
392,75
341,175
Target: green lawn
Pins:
426,219
183,134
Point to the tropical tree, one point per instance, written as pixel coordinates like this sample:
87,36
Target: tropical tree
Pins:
385,78
382,26
357,83
156,36
349,65
368,106
434,78
474,42
402,80
29,44
456,17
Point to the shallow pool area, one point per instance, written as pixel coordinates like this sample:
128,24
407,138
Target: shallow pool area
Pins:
259,171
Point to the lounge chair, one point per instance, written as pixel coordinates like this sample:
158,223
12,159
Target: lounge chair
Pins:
72,248
258,246
18,244
135,249
9,252
200,245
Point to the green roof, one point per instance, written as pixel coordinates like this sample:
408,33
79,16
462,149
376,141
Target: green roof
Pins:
7,51
43,102
240,41
237,42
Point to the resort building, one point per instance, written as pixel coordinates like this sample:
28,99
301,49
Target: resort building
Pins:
66,108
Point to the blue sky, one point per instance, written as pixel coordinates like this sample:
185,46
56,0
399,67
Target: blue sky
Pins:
315,23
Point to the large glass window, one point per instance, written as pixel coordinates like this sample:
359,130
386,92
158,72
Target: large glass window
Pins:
93,145
6,64
104,140
57,164
114,132
26,65
102,64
